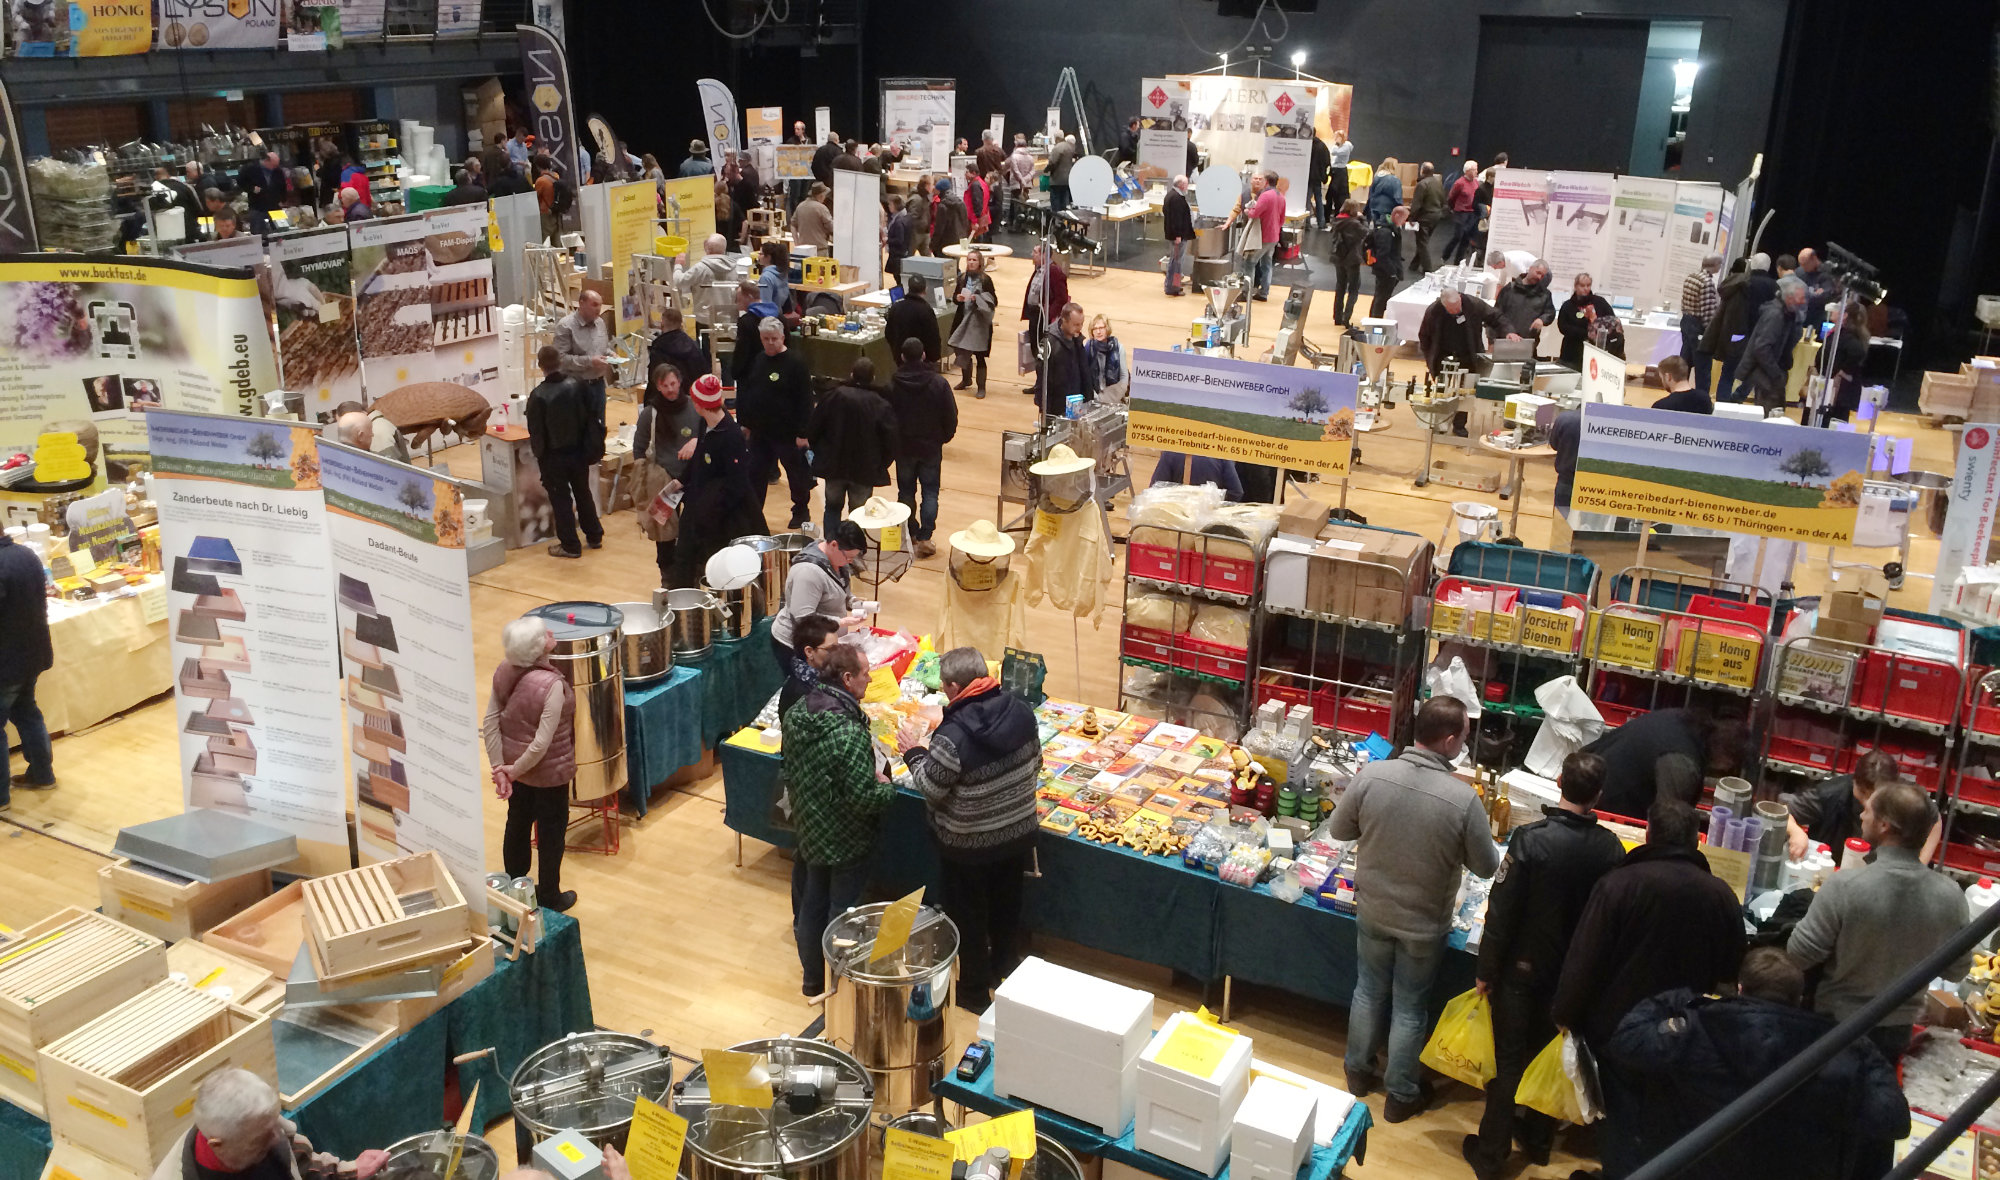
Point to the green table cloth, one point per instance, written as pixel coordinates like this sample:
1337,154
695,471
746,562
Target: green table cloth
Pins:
662,732
833,358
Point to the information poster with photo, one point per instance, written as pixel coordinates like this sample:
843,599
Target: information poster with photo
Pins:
764,131
392,302
405,629
1226,115
102,341
313,298
794,162
1763,479
1578,237
458,18
243,250
914,109
692,200
1519,217
465,323
1231,409
631,230
1288,138
1693,233
1163,129
218,24
1641,210
243,537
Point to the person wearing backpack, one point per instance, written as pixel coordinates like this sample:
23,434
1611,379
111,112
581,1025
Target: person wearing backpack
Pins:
1385,258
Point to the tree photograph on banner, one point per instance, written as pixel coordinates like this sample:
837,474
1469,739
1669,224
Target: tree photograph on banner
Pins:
1230,409
1764,479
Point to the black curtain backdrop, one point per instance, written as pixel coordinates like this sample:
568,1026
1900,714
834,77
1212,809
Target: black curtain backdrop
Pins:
1560,92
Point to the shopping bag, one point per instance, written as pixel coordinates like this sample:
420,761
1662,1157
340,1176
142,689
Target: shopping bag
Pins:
1462,1046
1546,1088
1582,1070
1024,359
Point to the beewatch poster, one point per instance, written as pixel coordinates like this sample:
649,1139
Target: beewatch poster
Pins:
1763,479
392,302
313,298
1231,409
405,627
243,536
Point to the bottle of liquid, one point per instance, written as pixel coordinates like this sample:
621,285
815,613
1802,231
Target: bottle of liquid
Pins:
1821,864
1854,853
1980,897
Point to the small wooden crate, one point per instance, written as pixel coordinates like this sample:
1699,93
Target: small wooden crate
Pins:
459,978
269,933
123,1085
174,910
383,917
63,971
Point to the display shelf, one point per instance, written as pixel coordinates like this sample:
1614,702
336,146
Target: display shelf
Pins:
1975,794
1664,676
1894,720
1979,737
1363,624
1190,673
1818,773
1912,710
1165,587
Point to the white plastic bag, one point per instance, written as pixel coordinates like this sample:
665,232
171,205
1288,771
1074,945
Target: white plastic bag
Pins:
1454,681
1570,722
1582,1070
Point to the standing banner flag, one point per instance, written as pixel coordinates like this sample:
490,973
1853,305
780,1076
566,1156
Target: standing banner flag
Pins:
465,329
1163,129
250,606
312,285
405,611
218,24
1763,479
392,302
1232,409
17,215
1577,241
721,126
1603,376
1641,209
1693,233
1288,139
1968,522
545,74
1519,215
997,124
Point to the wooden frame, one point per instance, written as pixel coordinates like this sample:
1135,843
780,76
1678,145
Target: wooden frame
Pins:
363,922
59,974
527,924
269,933
164,909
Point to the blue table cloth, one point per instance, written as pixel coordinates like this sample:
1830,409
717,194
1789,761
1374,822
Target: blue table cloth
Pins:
662,732
1349,1143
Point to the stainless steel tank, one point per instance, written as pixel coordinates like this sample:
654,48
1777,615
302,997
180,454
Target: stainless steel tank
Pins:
742,608
692,618
789,546
1052,1161
815,1130
587,1083
645,647
441,1155
587,639
890,1013
775,561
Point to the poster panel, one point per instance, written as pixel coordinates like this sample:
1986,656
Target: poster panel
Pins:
1052,124
243,531
110,28
857,199
914,109
104,341
1693,233
1163,128
1519,216
1764,479
1641,209
794,162
1577,241
1226,115
243,250
1968,522
822,124
392,302
1603,376
764,130
458,18
692,198
361,19
1288,138
405,624
312,285
1231,409
633,207
1725,241
465,323
312,26
218,24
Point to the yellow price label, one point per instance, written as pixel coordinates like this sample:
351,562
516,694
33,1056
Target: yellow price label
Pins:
894,931
891,538
736,1079
1195,1048
572,1152
1047,524
1548,629
907,1155
1015,1132
653,1149
1732,865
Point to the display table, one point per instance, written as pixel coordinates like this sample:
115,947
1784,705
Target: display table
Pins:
399,1091
110,654
1516,458
1349,1143
832,356
669,724
1649,339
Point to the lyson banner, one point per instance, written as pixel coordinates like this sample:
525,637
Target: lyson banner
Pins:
719,123
545,72
1230,409
218,24
1763,479
17,216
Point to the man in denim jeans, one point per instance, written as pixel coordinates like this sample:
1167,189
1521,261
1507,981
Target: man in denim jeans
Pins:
1417,825
25,653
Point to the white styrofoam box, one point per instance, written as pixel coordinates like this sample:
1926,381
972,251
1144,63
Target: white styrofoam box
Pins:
1285,566
1331,1105
1273,1130
1070,1041
1182,1116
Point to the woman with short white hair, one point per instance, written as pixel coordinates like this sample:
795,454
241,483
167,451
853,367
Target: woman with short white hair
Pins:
238,1132
530,732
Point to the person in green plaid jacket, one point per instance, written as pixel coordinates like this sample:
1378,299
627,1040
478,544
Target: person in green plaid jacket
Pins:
838,796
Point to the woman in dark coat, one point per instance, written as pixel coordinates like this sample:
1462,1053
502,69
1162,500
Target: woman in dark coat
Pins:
920,210
949,223
972,327
1578,315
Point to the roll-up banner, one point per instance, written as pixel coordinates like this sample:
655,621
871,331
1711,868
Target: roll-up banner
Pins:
392,302
545,74
1519,216
465,328
1288,137
916,110
1693,234
218,24
1163,128
312,285
719,122
1968,524
1577,241
17,215
763,132
1641,209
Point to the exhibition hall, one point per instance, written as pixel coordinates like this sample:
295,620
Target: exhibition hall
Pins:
869,590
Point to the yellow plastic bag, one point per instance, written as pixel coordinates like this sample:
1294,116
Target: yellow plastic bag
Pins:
1546,1088
1462,1046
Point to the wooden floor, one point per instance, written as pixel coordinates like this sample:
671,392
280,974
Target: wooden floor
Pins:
681,942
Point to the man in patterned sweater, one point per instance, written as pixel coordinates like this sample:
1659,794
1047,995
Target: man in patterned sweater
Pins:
978,780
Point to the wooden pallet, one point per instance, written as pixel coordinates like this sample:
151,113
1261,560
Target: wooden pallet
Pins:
58,974
386,916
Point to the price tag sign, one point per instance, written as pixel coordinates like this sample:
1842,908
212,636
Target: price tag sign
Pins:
1730,864
894,932
907,1155
653,1149
1195,1048
892,538
736,1079
1549,629
1047,524
978,575
1015,1132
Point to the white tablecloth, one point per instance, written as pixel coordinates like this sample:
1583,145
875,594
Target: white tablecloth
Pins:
109,657
1647,341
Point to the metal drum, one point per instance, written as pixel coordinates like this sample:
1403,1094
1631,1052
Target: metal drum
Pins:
778,565
1052,1161
1932,491
644,645
741,608
890,1013
587,651
691,617
815,1130
429,1156
775,561
587,1083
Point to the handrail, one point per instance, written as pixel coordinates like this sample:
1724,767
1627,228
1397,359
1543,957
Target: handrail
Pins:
1768,1093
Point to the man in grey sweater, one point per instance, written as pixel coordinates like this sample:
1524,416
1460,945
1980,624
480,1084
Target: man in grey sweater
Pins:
1418,825
1869,924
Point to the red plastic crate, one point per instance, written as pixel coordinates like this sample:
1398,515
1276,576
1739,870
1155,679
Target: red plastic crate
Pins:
1215,659
1148,644
1615,714
1231,574
1159,562
1979,715
1967,859
1751,614
1355,715
1919,689
1984,791
1805,753
1290,695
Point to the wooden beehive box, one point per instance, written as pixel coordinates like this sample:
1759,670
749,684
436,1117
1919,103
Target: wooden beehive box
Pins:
383,917
123,1085
211,969
175,908
268,933
59,973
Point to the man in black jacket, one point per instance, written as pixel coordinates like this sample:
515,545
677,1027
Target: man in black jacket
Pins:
560,423
911,317
466,190
1743,294
1454,328
748,317
1767,353
1385,261
673,346
25,654
1634,753
1178,229
265,185
1320,164
1538,895
853,433
1067,373
926,419
774,405
1525,306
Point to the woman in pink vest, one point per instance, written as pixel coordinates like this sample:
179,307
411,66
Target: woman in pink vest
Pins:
530,733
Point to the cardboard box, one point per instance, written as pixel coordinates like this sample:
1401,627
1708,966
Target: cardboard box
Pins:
1070,1042
1853,606
1304,516
1827,627
1186,1116
1273,1131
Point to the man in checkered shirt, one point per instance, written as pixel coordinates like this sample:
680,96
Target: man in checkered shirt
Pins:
1699,301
